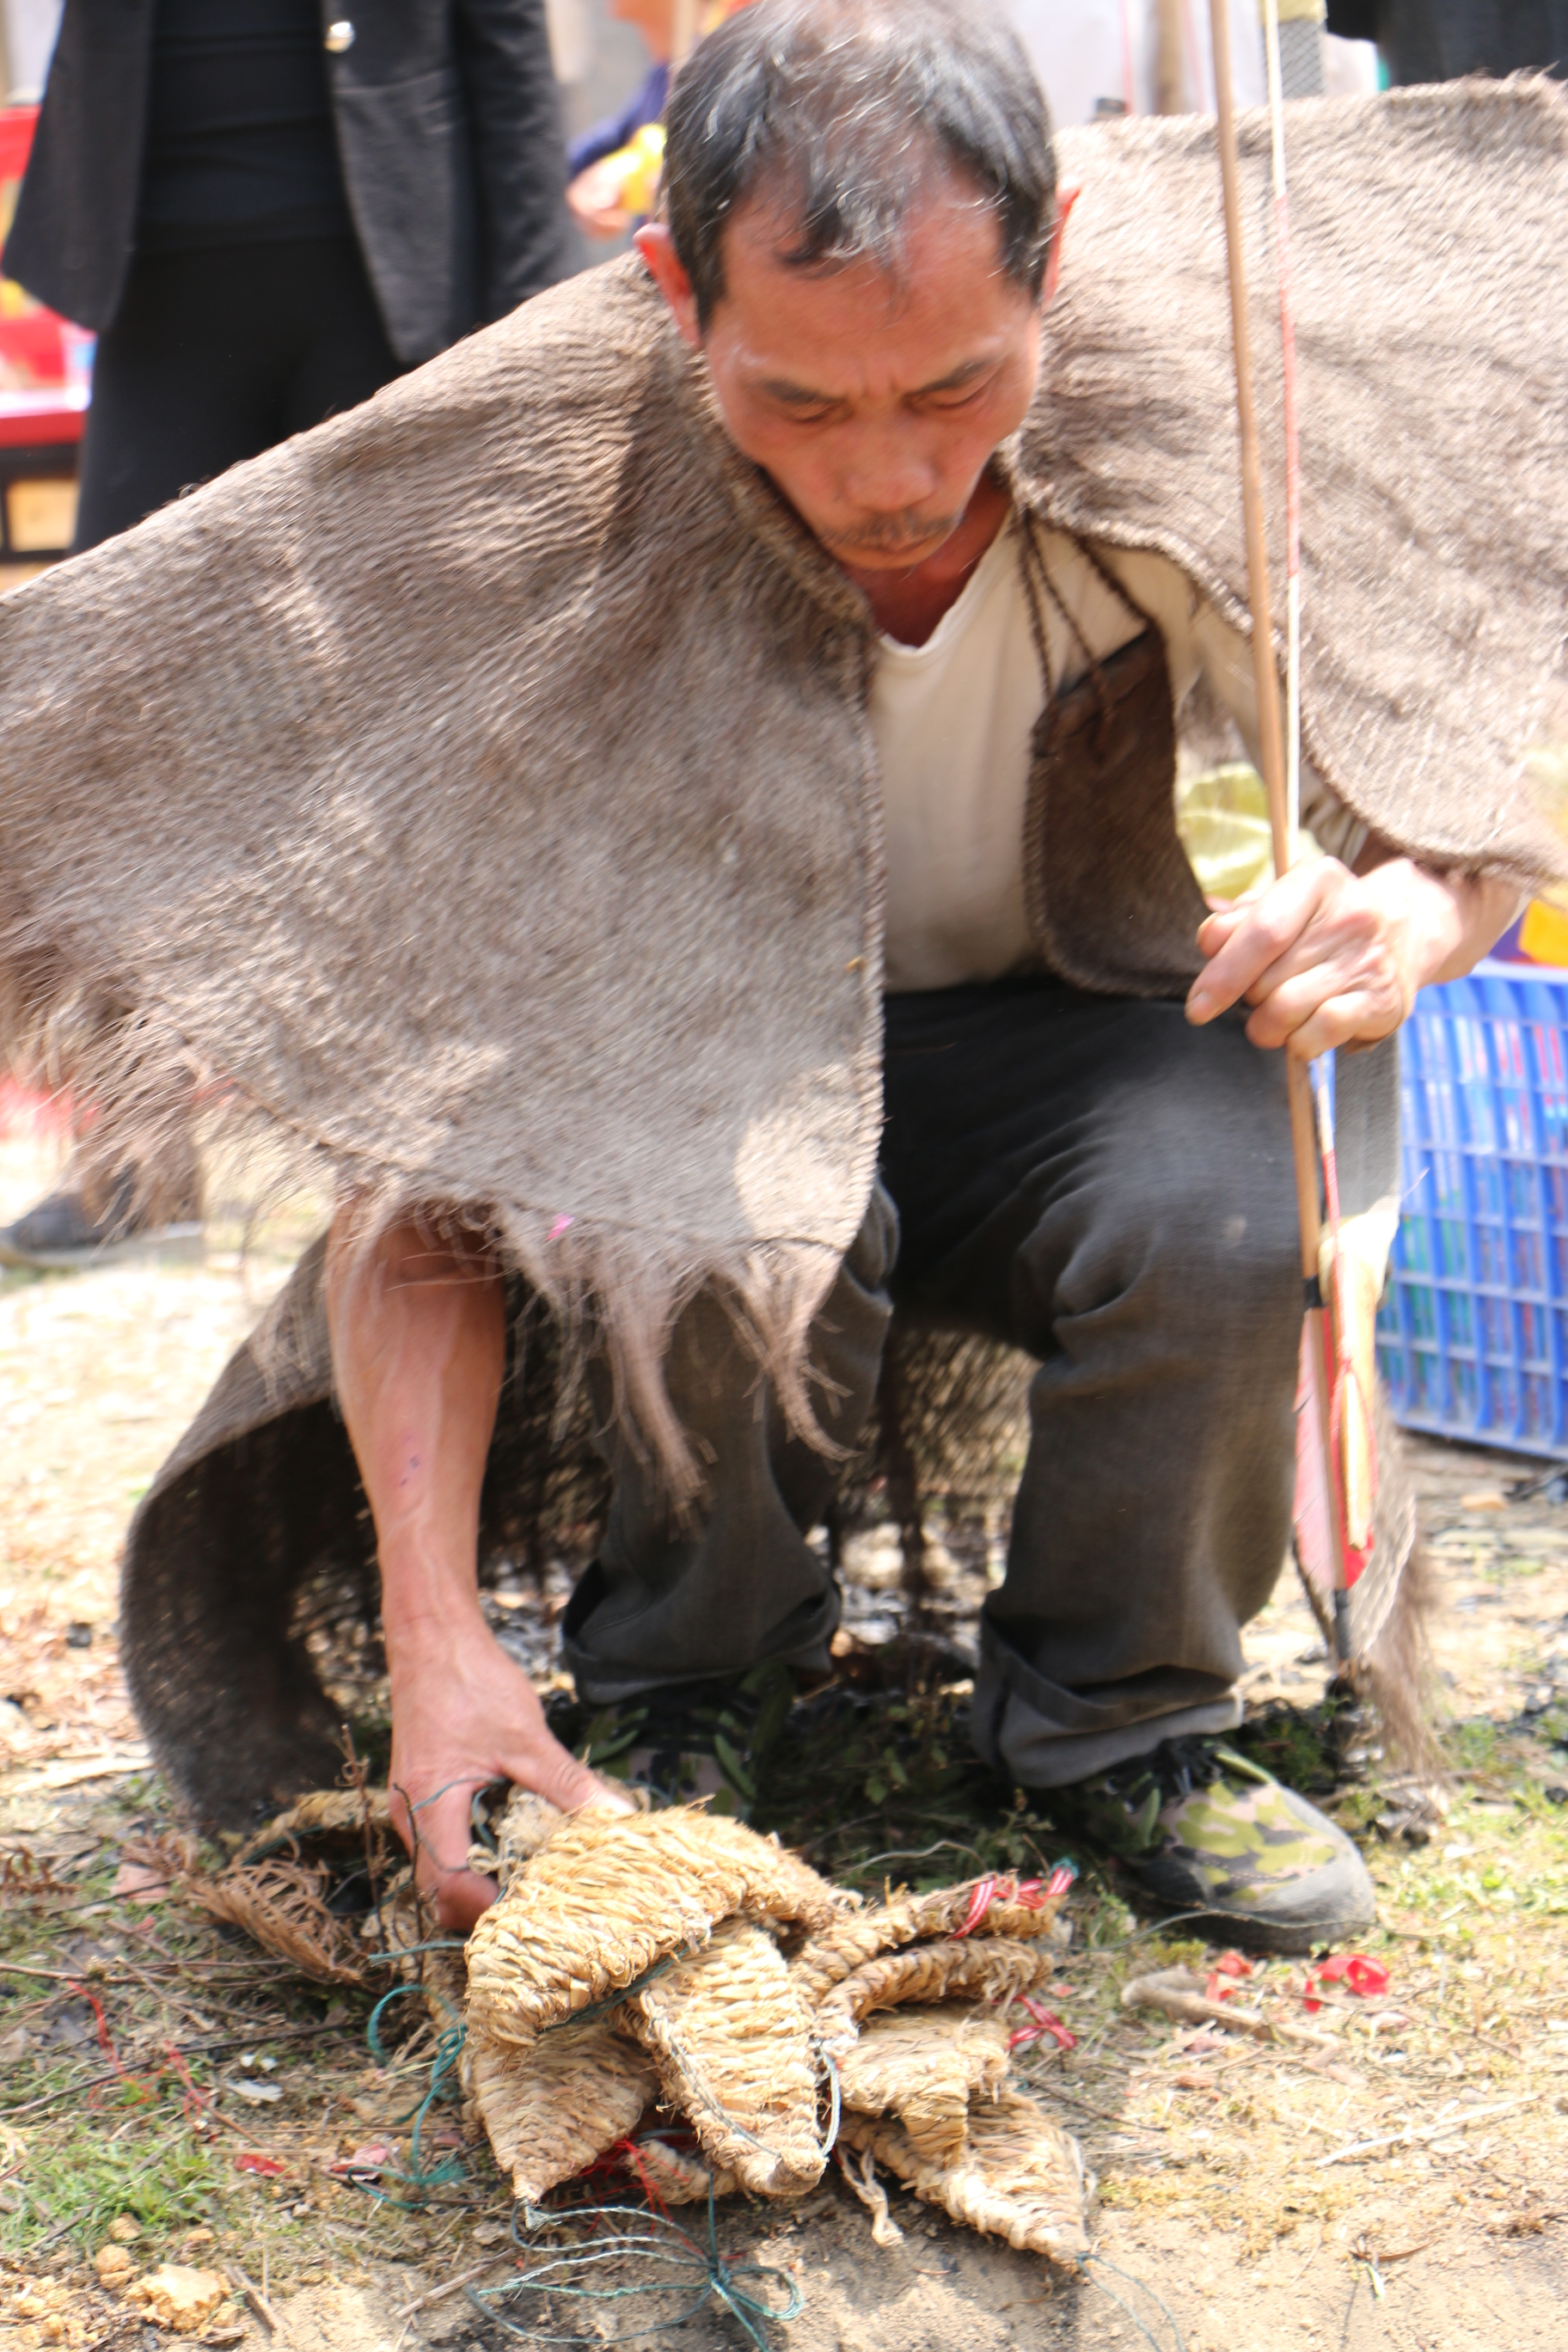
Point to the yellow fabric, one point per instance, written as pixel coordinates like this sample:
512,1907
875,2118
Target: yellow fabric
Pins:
1543,934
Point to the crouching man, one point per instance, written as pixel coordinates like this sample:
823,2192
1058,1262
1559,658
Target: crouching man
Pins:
1086,1151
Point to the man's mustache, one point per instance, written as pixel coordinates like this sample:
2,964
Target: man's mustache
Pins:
891,534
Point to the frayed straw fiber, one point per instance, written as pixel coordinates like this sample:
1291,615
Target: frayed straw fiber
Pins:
731,2038
280,1905
551,2109
324,1813
987,1968
921,2064
1020,2177
859,1935
609,1895
526,1826
528,1823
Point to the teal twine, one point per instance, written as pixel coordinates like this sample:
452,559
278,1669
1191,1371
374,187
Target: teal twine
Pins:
702,2274
422,2178
405,1951
613,2001
1122,2305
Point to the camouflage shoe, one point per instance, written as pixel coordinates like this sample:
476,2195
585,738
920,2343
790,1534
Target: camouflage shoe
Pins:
688,1739
1213,1836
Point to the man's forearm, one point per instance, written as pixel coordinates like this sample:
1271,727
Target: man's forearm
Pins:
418,1335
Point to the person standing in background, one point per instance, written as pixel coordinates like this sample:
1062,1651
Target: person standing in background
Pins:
606,199
593,194
1096,58
265,215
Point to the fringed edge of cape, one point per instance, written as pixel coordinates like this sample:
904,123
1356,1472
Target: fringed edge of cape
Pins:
616,1291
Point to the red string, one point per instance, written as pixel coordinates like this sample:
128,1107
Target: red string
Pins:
620,2155
1043,2022
1128,94
980,1901
106,2044
633,2156
194,2103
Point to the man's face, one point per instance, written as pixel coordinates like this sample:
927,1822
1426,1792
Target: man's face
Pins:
874,401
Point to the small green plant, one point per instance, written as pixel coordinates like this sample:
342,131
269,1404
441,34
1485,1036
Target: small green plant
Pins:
81,2176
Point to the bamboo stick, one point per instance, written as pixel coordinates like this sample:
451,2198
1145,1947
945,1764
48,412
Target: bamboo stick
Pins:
1272,748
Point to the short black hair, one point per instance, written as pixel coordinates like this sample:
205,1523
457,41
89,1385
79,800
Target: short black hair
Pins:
846,108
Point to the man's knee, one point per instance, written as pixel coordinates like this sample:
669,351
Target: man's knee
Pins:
1189,1212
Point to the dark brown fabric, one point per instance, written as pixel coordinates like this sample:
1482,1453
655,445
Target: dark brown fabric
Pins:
1112,901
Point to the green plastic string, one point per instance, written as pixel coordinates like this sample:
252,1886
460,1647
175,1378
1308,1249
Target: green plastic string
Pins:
613,2000
1100,2264
443,2085
700,2273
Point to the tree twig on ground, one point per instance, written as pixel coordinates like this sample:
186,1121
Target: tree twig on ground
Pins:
1175,1991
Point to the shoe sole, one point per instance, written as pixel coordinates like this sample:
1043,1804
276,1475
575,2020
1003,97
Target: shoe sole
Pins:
1251,1931
180,1244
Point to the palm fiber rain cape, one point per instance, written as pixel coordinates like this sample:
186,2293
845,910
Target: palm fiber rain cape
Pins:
477,790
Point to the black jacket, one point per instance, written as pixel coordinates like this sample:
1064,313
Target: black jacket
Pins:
1437,40
448,130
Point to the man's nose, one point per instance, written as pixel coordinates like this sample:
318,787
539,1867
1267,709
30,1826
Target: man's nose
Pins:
889,471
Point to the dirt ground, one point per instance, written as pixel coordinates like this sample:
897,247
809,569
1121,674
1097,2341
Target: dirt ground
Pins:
1403,2187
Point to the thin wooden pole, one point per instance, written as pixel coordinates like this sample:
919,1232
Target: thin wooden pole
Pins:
1271,744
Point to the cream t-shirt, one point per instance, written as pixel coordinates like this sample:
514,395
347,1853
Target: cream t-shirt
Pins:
952,720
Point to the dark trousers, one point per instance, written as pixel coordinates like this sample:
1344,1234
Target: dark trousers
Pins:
1098,1184
216,353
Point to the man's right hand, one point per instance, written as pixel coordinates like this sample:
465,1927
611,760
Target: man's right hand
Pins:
418,1353
464,1716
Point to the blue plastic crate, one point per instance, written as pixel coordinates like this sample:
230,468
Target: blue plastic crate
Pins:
1472,1337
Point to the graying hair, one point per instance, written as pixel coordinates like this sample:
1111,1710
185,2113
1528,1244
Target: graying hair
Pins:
846,110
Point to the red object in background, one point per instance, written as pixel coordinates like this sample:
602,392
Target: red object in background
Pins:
42,400
25,1115
1230,1964
1042,2023
1367,1977
15,139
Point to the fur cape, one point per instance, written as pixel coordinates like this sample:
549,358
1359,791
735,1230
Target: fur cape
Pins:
478,788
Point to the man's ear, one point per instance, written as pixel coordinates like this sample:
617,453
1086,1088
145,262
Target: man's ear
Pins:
1066,199
657,246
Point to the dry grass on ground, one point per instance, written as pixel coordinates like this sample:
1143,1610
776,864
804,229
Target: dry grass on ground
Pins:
165,2087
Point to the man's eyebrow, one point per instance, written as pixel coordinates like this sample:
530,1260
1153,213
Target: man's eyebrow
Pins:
796,395
800,395
964,373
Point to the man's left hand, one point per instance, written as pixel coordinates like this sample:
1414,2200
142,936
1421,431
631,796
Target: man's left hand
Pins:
1325,957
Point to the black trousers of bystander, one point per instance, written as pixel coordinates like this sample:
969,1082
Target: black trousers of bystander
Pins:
216,352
